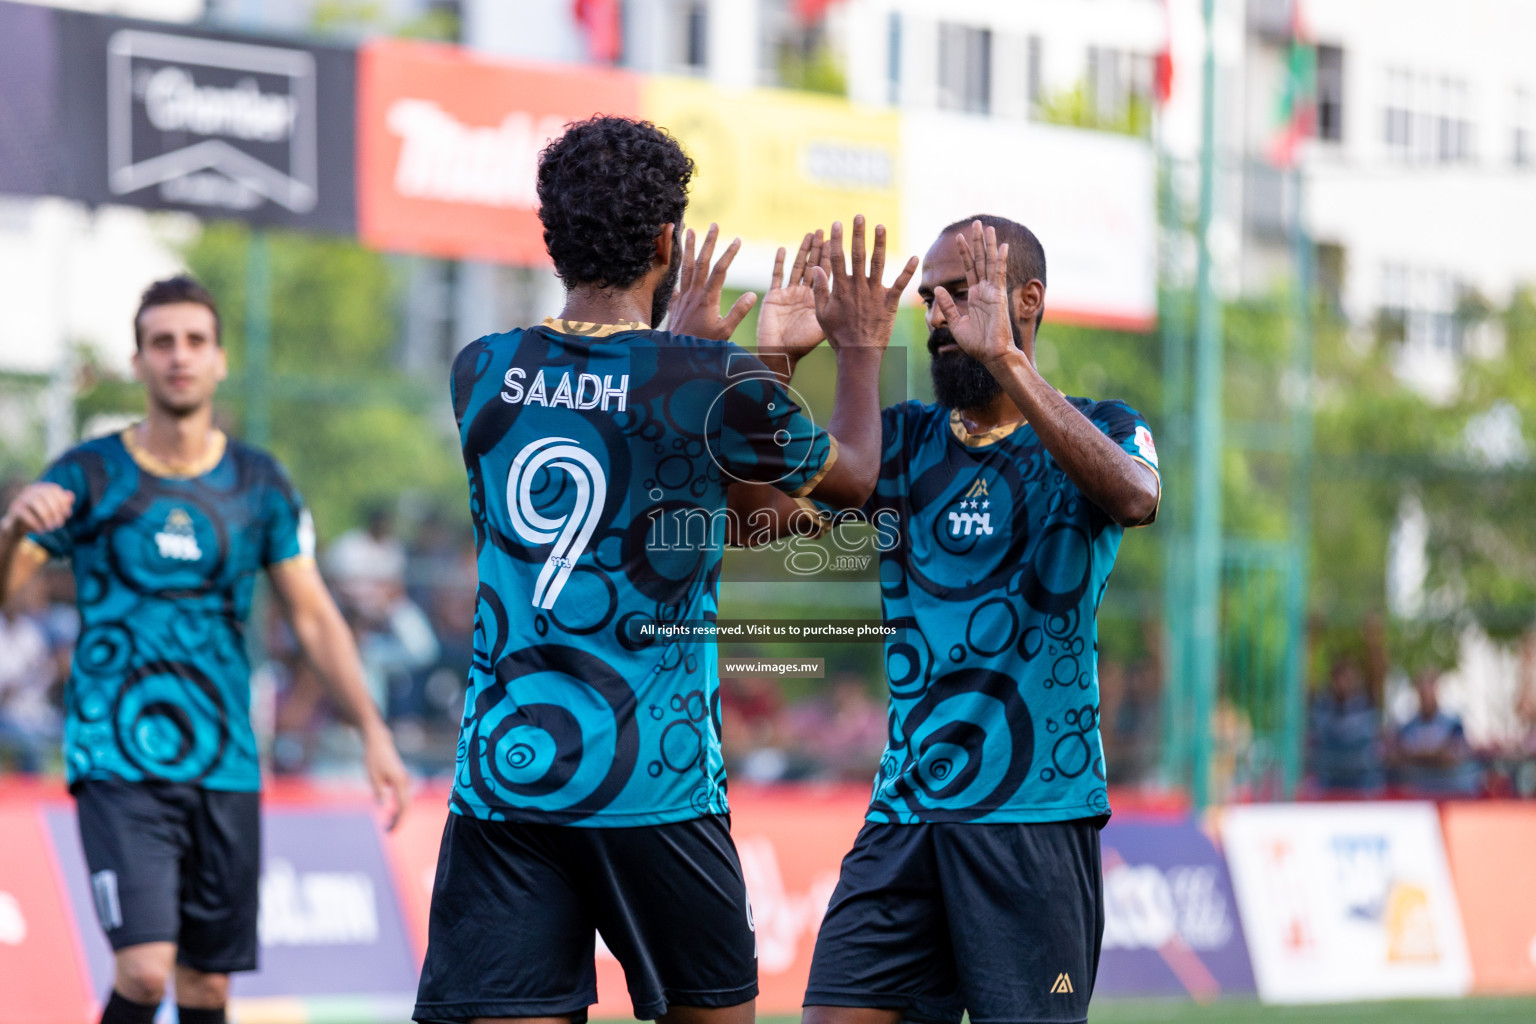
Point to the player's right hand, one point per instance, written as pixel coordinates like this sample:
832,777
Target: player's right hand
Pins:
40,508
985,332
854,307
786,323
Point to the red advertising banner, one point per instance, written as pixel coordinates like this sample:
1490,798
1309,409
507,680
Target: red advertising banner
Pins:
448,146
1489,845
42,972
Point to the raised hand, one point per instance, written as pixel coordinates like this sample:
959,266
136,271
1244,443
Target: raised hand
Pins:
786,323
853,307
38,508
985,332
695,306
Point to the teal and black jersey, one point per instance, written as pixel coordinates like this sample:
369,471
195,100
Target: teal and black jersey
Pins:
995,564
164,568
598,459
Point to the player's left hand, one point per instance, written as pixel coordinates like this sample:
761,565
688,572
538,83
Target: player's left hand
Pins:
695,306
786,324
386,773
985,332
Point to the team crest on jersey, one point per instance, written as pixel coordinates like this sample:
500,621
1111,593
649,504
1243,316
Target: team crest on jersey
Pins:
177,539
972,518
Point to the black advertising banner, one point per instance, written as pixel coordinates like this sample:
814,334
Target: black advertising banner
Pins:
216,124
30,144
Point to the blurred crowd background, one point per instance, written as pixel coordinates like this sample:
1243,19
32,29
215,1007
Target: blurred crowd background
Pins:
1359,287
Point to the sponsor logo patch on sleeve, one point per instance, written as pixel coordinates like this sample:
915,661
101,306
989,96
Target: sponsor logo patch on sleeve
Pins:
1144,446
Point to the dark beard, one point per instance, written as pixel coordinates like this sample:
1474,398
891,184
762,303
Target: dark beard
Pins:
663,297
959,381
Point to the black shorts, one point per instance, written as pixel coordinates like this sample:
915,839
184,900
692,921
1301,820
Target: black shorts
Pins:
516,906
172,862
1000,921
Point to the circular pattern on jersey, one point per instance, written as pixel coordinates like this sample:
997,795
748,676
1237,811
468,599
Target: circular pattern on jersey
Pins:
170,721
567,764
968,745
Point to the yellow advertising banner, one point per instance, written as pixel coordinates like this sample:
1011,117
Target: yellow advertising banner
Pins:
772,165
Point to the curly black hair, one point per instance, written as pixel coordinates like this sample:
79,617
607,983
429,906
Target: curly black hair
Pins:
606,187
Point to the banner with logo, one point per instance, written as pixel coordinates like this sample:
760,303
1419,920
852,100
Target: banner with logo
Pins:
1346,901
448,147
1088,197
1492,848
216,124
42,976
1170,918
774,164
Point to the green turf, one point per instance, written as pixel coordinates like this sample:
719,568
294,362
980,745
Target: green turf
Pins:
1239,1011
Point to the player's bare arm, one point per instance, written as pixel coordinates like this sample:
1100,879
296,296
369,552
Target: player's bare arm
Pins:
39,508
1124,488
327,642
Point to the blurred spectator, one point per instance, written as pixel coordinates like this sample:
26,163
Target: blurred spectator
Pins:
1430,754
839,734
1131,705
1345,751
29,717
366,567
751,728
366,570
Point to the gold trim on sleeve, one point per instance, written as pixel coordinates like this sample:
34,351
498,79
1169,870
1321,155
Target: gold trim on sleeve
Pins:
31,551
296,562
826,467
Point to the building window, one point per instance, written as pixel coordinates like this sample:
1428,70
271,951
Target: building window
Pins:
1330,93
1035,72
690,35
1428,118
1119,90
965,68
1522,141
1419,307
893,58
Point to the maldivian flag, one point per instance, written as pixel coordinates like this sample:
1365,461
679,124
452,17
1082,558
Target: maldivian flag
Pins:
1296,115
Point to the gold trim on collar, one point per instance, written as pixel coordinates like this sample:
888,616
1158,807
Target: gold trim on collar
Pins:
583,329
217,442
970,440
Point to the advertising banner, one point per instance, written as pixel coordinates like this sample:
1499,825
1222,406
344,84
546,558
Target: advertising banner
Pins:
29,117
773,164
448,147
1170,917
1492,847
211,123
330,921
42,976
1088,197
1346,901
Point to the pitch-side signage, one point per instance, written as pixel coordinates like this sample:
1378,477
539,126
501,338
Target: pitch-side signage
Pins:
216,125
449,147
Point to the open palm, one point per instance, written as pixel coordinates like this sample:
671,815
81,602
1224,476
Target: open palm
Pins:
984,333
786,320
